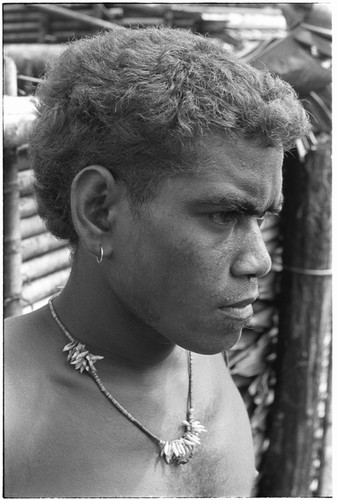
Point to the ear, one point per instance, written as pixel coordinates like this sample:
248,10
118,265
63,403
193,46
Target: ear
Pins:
95,201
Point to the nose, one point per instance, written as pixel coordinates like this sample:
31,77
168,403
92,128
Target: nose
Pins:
252,259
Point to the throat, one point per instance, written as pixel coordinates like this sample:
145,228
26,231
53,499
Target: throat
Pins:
109,331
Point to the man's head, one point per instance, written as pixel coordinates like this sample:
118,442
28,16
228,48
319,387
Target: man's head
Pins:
140,103
165,151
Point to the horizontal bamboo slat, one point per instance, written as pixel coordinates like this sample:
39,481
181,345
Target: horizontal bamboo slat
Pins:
31,226
22,158
65,36
26,182
24,25
66,25
27,206
40,244
184,23
140,21
23,9
14,17
76,6
15,7
54,9
12,38
43,287
45,264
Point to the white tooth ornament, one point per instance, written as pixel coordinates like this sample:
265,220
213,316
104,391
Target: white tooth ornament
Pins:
181,450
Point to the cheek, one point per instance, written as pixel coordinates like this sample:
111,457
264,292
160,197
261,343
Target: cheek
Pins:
175,264
191,263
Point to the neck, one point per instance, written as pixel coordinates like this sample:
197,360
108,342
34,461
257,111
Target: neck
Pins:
94,315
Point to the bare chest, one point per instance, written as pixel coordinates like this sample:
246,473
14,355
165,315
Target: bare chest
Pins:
118,460
219,468
90,449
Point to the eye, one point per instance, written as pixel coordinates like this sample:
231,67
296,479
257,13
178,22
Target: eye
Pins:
223,218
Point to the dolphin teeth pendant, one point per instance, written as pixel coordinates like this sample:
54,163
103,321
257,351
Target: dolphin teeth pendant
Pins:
180,451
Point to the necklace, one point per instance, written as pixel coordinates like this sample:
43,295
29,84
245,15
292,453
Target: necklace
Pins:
179,451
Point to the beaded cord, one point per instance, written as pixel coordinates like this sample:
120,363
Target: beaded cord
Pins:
179,451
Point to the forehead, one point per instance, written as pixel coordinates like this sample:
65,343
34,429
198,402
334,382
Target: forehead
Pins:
238,168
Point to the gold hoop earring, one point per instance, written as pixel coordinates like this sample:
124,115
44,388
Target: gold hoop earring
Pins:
100,258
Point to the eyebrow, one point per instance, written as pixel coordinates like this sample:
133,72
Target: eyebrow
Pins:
241,205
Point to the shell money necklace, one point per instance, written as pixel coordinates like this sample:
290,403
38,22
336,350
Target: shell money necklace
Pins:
179,451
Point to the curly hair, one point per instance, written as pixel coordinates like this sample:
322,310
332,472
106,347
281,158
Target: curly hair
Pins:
136,102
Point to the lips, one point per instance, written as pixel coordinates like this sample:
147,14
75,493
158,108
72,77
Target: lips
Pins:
243,303
241,310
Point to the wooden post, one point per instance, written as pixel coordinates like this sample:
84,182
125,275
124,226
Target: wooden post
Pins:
12,238
10,77
292,466
325,481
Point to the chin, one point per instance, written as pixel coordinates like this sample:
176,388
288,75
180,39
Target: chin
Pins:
216,343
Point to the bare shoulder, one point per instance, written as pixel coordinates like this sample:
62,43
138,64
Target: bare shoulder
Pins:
32,355
20,330
29,340
30,361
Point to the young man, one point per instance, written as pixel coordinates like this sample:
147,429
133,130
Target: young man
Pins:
157,155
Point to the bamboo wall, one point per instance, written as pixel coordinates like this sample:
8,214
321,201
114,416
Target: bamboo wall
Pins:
24,23
45,259
36,263
44,23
